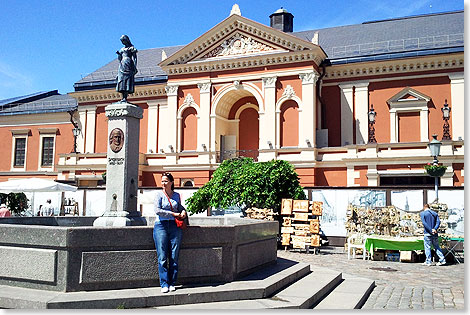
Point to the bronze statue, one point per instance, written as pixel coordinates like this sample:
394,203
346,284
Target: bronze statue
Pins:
127,57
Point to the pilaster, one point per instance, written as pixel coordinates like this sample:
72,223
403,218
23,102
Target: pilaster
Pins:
267,119
170,132
152,131
457,92
362,110
90,129
203,124
346,114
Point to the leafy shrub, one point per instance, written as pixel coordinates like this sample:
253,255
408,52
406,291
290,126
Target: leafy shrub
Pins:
16,202
242,182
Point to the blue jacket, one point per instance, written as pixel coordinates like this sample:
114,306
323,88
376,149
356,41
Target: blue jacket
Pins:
430,221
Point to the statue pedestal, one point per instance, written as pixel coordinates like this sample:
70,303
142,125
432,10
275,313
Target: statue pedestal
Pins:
122,171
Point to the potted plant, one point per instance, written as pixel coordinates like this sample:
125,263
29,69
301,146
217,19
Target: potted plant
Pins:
435,170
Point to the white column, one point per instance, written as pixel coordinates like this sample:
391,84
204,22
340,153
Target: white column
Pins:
267,118
171,133
457,105
152,126
212,145
424,125
346,114
393,126
203,123
90,129
362,110
307,121
82,124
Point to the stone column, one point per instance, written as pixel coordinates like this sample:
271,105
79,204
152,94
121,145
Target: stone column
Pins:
424,124
267,119
170,136
122,171
203,123
346,114
90,129
152,126
393,126
81,136
308,118
362,112
457,105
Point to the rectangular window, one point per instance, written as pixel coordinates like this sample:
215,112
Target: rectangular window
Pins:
20,151
47,151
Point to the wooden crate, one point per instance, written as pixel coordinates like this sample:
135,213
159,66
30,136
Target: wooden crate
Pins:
314,226
300,206
300,216
286,206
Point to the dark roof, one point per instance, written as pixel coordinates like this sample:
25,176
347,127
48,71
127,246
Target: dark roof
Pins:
36,103
375,40
393,38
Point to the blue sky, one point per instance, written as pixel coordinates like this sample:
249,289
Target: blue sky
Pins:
51,44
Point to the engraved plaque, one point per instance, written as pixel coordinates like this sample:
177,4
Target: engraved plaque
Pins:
317,208
315,226
285,239
315,242
301,216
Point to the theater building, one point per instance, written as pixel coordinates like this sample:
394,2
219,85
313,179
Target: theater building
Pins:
244,88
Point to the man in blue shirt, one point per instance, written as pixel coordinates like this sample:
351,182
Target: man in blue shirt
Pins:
431,223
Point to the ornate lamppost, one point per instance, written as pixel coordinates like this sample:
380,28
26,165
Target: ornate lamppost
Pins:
445,116
435,170
372,115
76,133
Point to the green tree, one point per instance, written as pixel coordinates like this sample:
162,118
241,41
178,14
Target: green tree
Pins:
16,202
242,182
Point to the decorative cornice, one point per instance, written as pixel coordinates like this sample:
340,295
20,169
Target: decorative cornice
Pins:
112,96
397,66
289,92
204,87
269,82
171,90
244,62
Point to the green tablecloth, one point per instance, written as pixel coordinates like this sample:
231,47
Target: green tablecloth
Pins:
393,243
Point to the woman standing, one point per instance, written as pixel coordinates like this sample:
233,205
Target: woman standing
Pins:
166,234
127,57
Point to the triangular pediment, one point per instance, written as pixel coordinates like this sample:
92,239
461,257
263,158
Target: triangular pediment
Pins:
238,37
408,95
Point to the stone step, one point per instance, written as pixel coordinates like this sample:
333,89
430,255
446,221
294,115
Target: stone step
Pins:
351,293
299,295
257,285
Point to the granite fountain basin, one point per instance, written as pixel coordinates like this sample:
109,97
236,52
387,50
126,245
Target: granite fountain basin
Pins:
68,254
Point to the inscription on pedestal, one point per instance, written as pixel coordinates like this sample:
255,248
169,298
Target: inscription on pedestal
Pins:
115,161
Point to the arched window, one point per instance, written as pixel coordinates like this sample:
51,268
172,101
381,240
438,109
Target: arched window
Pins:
189,129
289,124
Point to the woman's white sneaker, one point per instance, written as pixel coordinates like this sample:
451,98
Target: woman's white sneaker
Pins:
164,290
172,288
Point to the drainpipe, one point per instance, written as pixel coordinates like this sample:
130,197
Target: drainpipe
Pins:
320,98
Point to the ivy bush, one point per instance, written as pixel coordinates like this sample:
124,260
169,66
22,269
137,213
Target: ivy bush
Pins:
245,183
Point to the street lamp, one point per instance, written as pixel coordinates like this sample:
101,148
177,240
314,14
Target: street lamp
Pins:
76,132
435,148
446,115
372,115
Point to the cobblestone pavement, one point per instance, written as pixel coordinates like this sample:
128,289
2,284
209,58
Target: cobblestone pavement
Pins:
398,285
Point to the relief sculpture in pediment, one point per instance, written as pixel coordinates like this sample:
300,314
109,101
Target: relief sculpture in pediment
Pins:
238,45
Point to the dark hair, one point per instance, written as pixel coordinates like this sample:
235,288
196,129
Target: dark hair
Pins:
426,205
170,177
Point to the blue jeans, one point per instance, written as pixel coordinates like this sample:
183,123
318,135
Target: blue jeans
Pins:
167,237
434,241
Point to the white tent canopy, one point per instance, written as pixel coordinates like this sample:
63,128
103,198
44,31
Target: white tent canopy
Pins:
33,185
